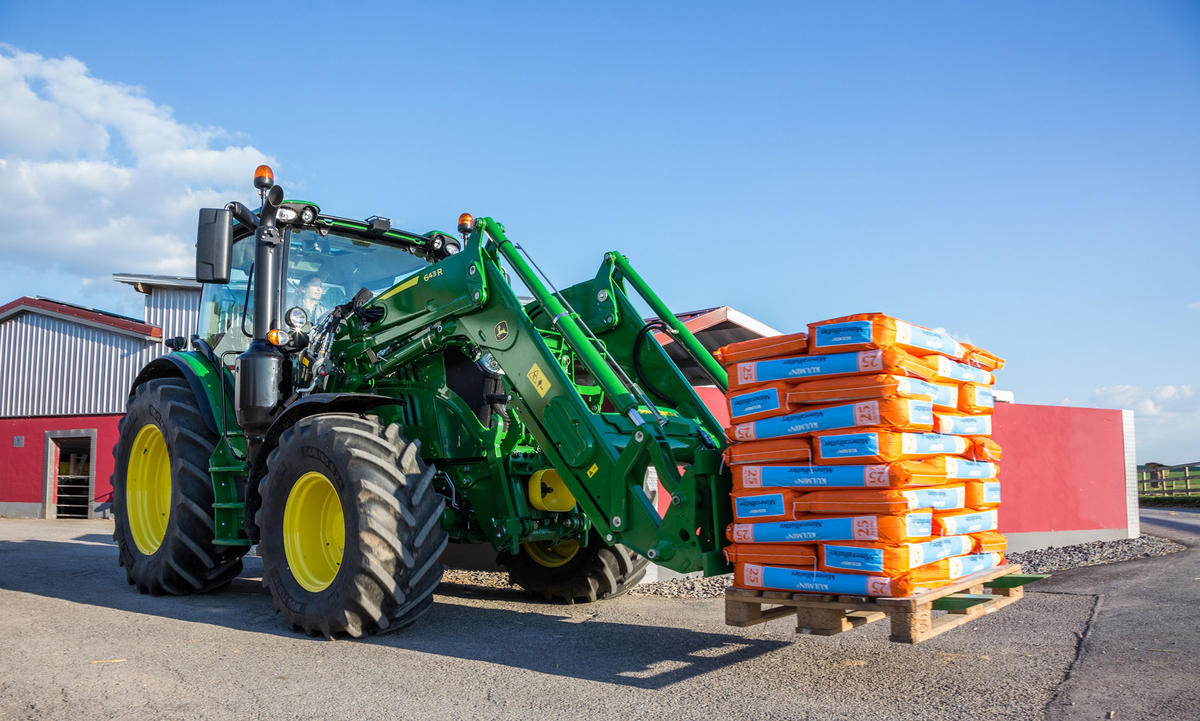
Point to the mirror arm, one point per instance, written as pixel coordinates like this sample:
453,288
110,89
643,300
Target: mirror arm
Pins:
242,214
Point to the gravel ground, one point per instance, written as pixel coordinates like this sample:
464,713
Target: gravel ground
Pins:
1094,553
1039,561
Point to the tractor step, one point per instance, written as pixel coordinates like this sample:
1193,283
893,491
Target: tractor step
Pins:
912,617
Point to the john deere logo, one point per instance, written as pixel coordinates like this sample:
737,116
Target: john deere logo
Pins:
501,330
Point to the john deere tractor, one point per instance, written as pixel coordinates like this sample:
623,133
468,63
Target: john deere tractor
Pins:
357,396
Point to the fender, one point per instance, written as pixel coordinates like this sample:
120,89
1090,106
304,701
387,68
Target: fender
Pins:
307,406
200,375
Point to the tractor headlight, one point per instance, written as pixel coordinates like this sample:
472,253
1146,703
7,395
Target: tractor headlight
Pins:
308,215
285,215
296,317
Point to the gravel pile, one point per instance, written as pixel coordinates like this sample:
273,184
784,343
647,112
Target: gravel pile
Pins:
711,587
485,579
1040,561
1094,553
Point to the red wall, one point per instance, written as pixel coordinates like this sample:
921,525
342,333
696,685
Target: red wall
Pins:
1062,468
22,470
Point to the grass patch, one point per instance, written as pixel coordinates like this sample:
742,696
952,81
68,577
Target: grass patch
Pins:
1189,500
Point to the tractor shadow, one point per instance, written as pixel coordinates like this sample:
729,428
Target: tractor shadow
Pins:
493,625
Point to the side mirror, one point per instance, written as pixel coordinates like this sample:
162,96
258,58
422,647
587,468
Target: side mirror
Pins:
214,245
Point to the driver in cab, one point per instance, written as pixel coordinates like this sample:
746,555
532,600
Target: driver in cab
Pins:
312,292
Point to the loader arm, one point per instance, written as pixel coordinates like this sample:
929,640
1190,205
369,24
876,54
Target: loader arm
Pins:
602,454
601,446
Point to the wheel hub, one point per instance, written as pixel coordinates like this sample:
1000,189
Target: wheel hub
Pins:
314,531
552,555
148,489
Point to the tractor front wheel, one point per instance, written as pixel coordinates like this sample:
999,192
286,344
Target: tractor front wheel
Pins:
571,572
163,494
350,522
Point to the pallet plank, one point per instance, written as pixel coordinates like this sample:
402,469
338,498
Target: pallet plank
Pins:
912,619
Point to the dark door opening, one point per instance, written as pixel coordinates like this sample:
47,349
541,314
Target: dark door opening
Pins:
73,482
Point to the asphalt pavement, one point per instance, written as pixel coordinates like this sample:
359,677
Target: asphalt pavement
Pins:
1139,657
77,642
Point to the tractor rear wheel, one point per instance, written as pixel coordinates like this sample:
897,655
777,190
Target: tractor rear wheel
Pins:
163,495
351,527
570,572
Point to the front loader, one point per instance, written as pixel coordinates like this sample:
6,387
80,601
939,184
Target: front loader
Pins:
357,396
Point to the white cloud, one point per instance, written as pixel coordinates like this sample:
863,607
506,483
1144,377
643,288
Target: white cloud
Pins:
1194,306
1167,419
96,178
960,337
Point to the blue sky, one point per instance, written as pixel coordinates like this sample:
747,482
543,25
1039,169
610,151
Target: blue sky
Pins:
1026,176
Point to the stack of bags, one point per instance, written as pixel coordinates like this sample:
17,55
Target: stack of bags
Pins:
862,459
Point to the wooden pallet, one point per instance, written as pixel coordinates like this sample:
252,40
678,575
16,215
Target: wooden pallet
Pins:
912,617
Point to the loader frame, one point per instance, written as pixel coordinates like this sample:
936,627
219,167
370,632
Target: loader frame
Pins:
593,399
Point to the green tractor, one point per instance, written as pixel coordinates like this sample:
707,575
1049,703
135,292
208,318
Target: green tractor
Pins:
358,396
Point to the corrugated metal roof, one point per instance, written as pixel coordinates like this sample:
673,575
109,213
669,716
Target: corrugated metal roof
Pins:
80,315
143,282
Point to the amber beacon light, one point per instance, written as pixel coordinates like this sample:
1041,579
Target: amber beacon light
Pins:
465,223
264,177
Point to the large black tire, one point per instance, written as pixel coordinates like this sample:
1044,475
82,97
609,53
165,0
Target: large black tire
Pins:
597,571
389,565
186,560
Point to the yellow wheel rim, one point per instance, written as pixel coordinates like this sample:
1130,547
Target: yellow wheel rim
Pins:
314,532
148,489
552,555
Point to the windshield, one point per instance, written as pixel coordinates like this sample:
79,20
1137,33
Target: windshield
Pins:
326,271
322,272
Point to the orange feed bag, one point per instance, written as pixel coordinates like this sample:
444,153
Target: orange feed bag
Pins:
765,505
799,555
860,557
882,500
838,447
901,414
951,569
980,358
989,542
890,360
893,529
759,348
781,450
983,494
956,523
804,580
877,330
876,385
975,399
946,369
752,404
929,472
961,424
984,449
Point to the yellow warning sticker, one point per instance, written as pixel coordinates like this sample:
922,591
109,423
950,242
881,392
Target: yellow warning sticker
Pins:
540,382
592,470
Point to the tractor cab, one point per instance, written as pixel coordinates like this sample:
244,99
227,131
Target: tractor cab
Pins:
322,265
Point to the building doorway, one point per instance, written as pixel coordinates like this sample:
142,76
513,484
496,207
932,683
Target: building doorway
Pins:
70,474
